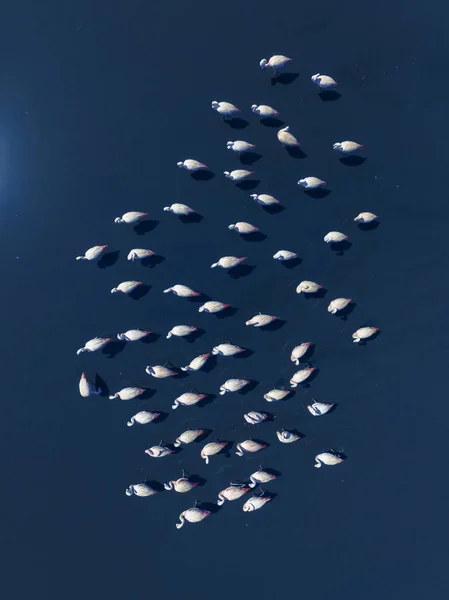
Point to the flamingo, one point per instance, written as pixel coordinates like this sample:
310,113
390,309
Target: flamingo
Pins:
93,253
364,333
212,448
301,375
127,393
133,335
143,417
140,489
87,388
131,218
187,399
232,492
93,345
126,287
212,306
276,62
233,385
338,304
192,515
299,351
249,446
327,458
182,291
188,436
317,409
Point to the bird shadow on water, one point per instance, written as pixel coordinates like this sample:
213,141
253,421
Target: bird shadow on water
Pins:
200,299
146,395
274,209
318,193
152,261
291,264
155,485
352,161
140,292
274,325
113,348
195,335
247,185
230,311
162,415
368,226
145,227
319,294
339,248
150,338
256,236
248,158
241,271
344,314
210,506
191,218
329,95
296,152
236,123
245,354
210,364
249,387
208,399
108,260
272,122
202,175
102,385
284,78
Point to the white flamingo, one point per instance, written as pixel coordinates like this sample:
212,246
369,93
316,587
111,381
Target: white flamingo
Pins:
131,218
260,476
181,210
260,320
181,331
139,254
318,409
225,109
255,417
192,515
232,492
286,138
87,388
249,446
365,217
255,502
347,147
93,253
93,345
334,237
212,306
287,437
142,418
187,399
140,489
276,395
301,376
188,436
299,351
227,349
212,448
133,335
308,287
126,287
284,255
159,371
238,175
327,458
276,62
240,146
192,165
312,183
264,199
128,393
228,262
183,291
338,304
243,228
181,485
197,363
159,451
364,333
264,111
233,385
324,82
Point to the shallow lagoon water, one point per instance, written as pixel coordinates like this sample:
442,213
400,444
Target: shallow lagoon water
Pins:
97,106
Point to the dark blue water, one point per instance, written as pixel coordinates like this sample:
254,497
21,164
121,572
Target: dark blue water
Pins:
98,101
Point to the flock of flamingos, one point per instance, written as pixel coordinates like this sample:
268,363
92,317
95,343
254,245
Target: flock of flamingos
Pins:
262,476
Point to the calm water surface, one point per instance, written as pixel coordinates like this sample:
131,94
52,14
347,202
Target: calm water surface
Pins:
98,101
